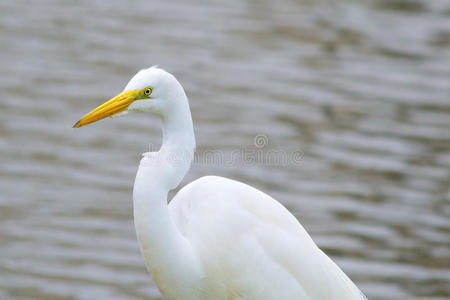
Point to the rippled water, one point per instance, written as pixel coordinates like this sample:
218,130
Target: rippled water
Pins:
360,88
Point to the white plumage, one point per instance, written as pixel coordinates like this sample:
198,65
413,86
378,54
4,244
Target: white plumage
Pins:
218,238
252,247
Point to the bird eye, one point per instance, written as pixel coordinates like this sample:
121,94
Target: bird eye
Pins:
148,91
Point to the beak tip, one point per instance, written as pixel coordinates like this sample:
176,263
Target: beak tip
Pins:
76,125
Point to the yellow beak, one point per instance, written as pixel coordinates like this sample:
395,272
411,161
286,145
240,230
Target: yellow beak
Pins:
114,106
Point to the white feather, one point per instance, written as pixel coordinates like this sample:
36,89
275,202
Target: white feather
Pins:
219,238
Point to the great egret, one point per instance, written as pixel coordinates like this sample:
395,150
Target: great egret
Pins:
218,238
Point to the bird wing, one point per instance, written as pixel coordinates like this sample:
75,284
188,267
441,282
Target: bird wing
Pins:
252,247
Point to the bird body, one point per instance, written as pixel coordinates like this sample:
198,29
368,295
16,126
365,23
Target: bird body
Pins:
218,238
252,247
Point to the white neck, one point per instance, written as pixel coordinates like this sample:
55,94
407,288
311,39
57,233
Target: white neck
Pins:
168,254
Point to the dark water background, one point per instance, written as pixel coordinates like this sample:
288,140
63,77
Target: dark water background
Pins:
360,88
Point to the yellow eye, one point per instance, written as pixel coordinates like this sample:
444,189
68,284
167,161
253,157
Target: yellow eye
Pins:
148,91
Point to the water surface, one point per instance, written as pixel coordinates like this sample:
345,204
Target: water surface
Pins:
360,88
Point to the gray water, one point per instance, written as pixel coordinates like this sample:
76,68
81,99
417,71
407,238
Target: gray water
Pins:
353,97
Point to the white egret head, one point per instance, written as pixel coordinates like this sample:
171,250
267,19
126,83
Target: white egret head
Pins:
151,89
